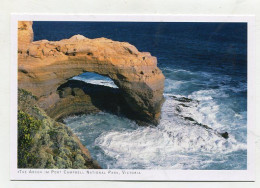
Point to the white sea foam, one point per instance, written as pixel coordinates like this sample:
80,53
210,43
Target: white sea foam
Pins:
167,145
175,143
172,84
207,94
103,82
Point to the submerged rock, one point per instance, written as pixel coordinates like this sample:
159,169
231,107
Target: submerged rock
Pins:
194,122
225,135
45,65
189,118
189,103
182,99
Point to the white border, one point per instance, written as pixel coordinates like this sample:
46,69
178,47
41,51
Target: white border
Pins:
145,175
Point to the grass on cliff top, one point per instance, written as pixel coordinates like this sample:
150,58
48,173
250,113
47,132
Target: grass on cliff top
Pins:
45,143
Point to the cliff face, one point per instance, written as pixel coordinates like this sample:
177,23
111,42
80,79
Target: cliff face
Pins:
44,65
25,32
45,143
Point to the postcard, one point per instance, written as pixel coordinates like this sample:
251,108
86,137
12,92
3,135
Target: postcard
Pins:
132,97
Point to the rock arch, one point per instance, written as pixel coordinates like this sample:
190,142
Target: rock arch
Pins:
44,65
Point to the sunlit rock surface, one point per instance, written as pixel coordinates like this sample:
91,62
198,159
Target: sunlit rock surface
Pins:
44,65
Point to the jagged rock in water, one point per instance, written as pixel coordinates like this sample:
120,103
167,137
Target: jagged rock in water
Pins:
225,135
189,118
188,102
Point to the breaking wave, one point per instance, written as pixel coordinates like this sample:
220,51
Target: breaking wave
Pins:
180,141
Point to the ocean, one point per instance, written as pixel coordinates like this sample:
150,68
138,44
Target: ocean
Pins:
204,62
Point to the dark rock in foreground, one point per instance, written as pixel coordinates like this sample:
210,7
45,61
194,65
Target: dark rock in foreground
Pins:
45,143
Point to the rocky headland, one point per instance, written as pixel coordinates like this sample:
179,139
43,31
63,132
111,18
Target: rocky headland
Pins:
46,67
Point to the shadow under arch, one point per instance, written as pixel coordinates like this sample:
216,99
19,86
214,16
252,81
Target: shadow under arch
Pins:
79,97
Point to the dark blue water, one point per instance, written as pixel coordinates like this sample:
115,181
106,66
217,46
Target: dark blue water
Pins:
206,62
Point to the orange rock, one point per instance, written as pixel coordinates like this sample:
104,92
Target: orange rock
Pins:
44,65
25,33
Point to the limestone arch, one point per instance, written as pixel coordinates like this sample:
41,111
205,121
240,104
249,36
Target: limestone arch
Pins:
45,65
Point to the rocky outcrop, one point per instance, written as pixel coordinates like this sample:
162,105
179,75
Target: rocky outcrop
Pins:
43,66
25,32
45,143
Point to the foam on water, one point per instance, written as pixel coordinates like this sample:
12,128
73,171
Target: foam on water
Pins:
176,143
205,62
96,80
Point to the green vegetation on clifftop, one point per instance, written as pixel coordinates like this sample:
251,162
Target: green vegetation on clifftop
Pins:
28,126
45,143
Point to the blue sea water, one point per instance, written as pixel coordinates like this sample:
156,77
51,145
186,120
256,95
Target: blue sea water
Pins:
206,62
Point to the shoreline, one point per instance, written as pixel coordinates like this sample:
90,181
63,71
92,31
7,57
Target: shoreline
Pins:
45,68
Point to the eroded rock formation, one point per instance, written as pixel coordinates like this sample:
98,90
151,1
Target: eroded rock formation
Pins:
44,65
25,32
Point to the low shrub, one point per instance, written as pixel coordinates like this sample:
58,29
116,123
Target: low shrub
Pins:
27,127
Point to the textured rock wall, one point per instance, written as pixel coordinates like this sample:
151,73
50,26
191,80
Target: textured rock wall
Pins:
51,144
45,65
25,33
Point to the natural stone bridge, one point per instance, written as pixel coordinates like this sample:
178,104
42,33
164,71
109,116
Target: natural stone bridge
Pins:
43,66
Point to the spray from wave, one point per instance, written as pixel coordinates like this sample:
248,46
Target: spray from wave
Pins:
188,136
